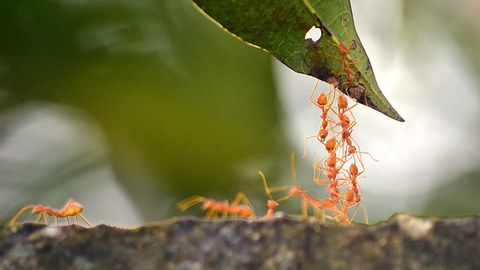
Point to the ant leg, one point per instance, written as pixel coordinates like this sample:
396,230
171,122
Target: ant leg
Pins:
242,198
271,203
45,216
358,154
304,208
317,172
85,220
22,210
209,214
294,168
189,202
265,186
305,145
364,212
310,98
39,218
365,215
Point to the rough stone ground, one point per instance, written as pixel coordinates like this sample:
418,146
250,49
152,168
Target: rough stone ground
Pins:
402,242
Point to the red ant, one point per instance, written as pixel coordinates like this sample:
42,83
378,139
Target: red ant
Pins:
346,124
322,103
70,209
358,92
332,168
352,194
319,205
330,163
214,207
344,52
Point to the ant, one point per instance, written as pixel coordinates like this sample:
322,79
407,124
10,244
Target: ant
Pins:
358,92
344,52
332,167
70,209
346,125
352,194
214,207
322,103
318,205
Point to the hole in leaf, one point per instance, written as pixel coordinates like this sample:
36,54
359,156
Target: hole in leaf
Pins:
314,34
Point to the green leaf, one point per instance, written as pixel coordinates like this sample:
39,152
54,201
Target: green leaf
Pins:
279,27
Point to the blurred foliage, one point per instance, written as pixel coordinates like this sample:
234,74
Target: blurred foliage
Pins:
185,107
456,197
456,21
280,27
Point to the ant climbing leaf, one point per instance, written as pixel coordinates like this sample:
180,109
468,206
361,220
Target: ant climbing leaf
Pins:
280,27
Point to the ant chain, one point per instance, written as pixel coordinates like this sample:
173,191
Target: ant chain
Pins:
339,171
342,167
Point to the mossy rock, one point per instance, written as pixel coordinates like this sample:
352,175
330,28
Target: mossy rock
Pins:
402,242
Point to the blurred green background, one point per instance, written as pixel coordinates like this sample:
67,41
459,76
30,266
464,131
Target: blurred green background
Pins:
131,106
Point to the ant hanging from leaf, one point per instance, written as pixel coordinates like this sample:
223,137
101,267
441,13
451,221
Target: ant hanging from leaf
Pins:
322,103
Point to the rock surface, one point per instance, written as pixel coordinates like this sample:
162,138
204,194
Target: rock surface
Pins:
402,242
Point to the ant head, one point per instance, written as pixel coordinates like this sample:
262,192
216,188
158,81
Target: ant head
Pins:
272,204
323,133
330,145
342,102
322,99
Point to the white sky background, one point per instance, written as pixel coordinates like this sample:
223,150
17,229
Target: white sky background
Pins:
433,90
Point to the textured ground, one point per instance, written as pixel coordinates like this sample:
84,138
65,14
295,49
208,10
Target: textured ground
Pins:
403,242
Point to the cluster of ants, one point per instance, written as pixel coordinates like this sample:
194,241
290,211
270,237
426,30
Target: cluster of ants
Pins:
334,134
339,171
